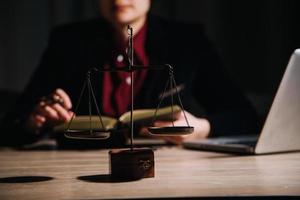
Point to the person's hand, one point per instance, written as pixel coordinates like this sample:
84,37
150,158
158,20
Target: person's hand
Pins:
201,128
50,111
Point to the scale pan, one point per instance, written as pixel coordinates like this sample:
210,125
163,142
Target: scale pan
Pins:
94,134
171,130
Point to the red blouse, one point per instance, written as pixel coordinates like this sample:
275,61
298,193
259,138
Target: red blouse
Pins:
116,95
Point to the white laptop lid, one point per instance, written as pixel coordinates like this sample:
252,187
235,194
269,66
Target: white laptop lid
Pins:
281,131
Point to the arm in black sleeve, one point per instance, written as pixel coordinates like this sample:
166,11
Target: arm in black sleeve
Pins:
226,107
43,82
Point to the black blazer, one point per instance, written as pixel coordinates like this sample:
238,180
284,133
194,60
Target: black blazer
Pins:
207,90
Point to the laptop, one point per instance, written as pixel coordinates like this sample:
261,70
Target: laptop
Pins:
281,130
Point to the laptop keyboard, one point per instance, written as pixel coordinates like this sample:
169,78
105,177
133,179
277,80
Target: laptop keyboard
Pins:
242,140
247,143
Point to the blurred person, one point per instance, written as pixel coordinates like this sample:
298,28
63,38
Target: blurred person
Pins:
213,104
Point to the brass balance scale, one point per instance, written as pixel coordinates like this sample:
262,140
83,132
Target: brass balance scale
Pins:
131,163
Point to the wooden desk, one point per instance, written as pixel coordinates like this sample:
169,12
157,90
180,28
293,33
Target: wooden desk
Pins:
179,173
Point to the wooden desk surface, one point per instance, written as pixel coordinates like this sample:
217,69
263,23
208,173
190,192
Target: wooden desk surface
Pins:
179,173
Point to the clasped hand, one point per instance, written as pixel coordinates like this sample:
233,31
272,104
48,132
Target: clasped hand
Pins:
50,111
201,128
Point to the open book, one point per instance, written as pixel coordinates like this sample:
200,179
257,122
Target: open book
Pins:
140,116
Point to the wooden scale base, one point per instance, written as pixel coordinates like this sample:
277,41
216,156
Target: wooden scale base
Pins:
131,164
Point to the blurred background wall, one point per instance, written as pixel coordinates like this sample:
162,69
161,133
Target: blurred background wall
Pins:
254,37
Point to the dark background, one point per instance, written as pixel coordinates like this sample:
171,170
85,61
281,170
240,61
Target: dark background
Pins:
254,37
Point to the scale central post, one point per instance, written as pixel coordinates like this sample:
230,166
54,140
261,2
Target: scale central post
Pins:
134,163
130,69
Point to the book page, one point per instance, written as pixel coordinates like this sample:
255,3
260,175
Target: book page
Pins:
164,113
83,123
